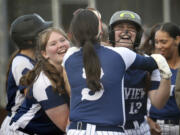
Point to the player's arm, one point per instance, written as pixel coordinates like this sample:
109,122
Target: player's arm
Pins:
135,60
154,127
59,116
159,96
52,102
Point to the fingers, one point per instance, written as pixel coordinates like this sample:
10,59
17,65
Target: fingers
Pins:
162,65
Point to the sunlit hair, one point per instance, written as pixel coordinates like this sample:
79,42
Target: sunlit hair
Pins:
95,11
55,76
84,28
105,34
98,14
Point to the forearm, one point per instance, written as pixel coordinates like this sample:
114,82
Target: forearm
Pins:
154,127
59,116
160,96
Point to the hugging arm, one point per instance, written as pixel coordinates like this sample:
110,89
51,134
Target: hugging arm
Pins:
59,115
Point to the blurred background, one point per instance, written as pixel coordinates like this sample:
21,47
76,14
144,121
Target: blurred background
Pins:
61,12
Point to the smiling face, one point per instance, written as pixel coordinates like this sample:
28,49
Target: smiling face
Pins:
125,34
56,48
165,45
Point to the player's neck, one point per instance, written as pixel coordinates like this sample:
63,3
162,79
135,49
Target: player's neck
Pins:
174,62
28,52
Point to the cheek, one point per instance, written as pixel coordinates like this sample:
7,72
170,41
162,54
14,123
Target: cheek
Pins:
67,44
116,35
168,51
168,47
133,37
51,51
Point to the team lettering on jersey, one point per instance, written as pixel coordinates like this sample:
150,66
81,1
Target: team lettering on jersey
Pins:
86,91
134,94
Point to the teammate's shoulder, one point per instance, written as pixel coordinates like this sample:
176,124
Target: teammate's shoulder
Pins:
42,79
122,50
20,60
116,48
70,52
40,85
146,55
73,48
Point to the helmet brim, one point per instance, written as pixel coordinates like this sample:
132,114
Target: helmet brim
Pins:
47,24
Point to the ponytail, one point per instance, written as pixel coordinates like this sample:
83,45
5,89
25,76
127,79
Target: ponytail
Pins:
92,66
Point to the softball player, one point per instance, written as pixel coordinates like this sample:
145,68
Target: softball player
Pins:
96,75
45,110
167,40
126,31
23,31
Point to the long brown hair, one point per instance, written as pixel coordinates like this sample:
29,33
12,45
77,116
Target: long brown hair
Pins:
55,76
84,30
149,44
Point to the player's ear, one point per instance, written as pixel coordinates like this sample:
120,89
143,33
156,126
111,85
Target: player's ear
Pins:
44,54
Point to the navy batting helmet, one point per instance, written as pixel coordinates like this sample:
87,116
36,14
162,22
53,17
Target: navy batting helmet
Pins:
126,16
24,30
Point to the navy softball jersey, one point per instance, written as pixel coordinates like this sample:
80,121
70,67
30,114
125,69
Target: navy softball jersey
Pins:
31,117
170,111
105,107
136,87
15,92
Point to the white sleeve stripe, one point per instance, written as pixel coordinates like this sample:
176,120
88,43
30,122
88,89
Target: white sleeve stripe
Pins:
155,75
127,55
70,51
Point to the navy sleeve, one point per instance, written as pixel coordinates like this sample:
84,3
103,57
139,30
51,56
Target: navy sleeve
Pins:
144,63
53,99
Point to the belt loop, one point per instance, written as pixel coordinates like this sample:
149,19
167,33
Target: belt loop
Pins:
136,124
90,129
79,125
160,122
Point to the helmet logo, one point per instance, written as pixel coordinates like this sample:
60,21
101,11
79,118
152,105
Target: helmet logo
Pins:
127,14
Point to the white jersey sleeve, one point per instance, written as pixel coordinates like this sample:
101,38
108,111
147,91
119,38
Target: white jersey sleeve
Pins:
155,75
19,64
69,53
127,55
44,93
